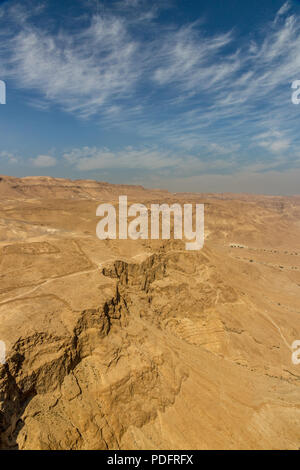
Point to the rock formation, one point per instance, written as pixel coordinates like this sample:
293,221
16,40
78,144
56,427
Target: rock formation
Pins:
141,344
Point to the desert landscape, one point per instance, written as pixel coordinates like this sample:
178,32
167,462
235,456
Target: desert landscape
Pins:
123,344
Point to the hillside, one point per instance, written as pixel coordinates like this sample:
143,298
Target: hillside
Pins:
141,344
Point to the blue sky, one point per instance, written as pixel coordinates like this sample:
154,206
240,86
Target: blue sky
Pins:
184,95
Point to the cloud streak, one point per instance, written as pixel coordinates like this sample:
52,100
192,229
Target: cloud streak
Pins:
43,161
203,96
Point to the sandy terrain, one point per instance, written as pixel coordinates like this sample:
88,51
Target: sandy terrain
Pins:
142,344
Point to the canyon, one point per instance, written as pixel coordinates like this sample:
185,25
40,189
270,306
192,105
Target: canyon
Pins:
141,344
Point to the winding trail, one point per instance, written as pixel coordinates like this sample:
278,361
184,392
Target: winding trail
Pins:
49,281
267,316
101,265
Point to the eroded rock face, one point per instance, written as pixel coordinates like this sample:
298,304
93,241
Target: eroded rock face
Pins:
85,389
143,345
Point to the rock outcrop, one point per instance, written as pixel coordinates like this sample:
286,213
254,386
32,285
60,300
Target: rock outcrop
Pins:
143,345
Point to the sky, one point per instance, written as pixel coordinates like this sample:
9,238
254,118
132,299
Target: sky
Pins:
190,95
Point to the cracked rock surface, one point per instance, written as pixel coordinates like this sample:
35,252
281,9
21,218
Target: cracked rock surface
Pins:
142,344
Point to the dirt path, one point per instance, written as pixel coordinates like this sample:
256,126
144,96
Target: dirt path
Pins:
49,281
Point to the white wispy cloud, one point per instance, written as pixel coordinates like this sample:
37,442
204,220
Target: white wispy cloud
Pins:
9,157
190,60
274,141
160,162
82,71
283,10
196,92
150,158
43,161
